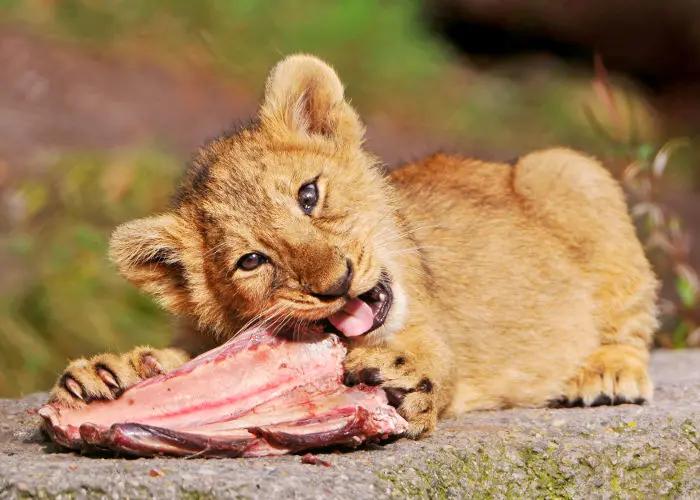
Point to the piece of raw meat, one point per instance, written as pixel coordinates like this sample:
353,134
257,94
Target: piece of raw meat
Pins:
258,394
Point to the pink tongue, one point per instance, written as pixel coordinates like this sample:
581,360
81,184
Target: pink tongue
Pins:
354,319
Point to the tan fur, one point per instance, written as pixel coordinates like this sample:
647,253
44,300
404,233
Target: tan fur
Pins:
105,376
514,285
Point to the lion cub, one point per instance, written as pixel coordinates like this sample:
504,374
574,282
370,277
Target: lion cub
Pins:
458,284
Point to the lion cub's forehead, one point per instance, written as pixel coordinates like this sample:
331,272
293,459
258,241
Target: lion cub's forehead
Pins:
239,184
281,166
248,180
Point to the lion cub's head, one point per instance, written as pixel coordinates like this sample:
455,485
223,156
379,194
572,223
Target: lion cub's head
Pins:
288,221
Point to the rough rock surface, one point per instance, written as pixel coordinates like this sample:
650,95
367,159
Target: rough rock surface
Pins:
624,451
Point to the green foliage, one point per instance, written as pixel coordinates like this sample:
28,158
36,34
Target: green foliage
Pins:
642,169
370,41
63,298
686,291
391,62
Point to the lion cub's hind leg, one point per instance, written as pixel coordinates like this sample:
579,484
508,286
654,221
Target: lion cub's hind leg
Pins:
106,376
613,374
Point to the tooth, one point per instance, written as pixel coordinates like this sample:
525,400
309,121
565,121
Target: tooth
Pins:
382,296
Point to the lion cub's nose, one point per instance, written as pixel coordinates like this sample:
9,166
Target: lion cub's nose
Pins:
340,287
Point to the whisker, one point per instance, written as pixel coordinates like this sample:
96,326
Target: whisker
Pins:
214,249
414,248
413,230
273,310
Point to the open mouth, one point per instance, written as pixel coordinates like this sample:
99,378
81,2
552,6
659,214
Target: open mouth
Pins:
365,313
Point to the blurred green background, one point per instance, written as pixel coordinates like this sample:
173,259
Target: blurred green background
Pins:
101,104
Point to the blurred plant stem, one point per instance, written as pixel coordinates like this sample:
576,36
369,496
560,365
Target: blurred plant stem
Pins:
640,167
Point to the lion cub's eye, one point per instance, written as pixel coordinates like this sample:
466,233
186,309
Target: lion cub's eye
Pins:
308,197
250,261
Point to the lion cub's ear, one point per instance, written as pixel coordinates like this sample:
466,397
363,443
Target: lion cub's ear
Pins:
304,95
148,252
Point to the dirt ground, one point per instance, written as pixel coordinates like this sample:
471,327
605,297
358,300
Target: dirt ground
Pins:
55,98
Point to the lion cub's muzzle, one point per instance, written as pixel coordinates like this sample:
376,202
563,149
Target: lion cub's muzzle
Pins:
340,288
365,313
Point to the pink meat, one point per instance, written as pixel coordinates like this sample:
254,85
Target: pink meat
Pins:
258,394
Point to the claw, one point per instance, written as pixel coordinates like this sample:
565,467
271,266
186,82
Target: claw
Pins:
602,400
371,376
151,365
559,402
350,379
396,395
107,377
73,387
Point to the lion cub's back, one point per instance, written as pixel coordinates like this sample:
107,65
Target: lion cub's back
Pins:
555,198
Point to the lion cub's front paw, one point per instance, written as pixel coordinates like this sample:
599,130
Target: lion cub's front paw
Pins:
408,388
612,375
105,376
